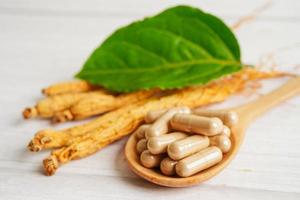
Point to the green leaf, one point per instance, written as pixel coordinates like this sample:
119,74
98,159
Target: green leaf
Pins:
179,47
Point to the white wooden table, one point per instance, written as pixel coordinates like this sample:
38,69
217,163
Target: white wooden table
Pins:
42,42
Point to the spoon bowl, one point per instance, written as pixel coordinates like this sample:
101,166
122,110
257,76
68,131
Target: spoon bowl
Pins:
246,113
157,177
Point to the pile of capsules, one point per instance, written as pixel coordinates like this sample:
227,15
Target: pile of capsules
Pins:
184,142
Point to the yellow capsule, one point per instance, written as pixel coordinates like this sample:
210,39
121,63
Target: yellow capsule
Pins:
154,115
167,166
140,131
197,124
149,160
229,118
141,146
159,144
226,131
199,161
221,141
188,146
161,125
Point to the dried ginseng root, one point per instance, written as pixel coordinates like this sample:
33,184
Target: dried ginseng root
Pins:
127,119
68,87
47,107
91,106
49,138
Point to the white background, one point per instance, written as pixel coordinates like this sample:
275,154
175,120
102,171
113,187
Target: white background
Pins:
43,42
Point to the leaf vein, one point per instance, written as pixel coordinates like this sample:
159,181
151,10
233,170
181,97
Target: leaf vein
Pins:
215,33
166,66
181,37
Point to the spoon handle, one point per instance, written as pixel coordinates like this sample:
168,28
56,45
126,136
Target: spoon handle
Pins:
250,111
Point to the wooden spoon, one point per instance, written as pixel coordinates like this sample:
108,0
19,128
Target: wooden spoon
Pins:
247,113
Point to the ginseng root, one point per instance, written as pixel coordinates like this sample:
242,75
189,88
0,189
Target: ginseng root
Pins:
91,106
53,139
49,138
127,119
47,107
69,87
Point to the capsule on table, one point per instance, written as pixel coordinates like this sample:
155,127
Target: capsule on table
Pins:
149,160
154,115
161,125
208,126
167,166
140,132
159,144
229,118
226,131
199,161
141,146
188,146
221,141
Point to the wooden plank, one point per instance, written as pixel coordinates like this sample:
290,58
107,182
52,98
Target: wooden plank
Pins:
71,186
281,9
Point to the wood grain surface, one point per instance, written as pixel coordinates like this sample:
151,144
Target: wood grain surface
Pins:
42,42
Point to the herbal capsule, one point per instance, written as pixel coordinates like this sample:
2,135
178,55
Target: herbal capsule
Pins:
141,146
229,118
197,124
226,131
167,166
160,126
199,161
149,160
159,144
221,141
188,146
154,115
140,132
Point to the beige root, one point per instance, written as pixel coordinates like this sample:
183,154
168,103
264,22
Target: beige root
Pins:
252,15
65,137
49,106
68,87
91,106
128,118
49,138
